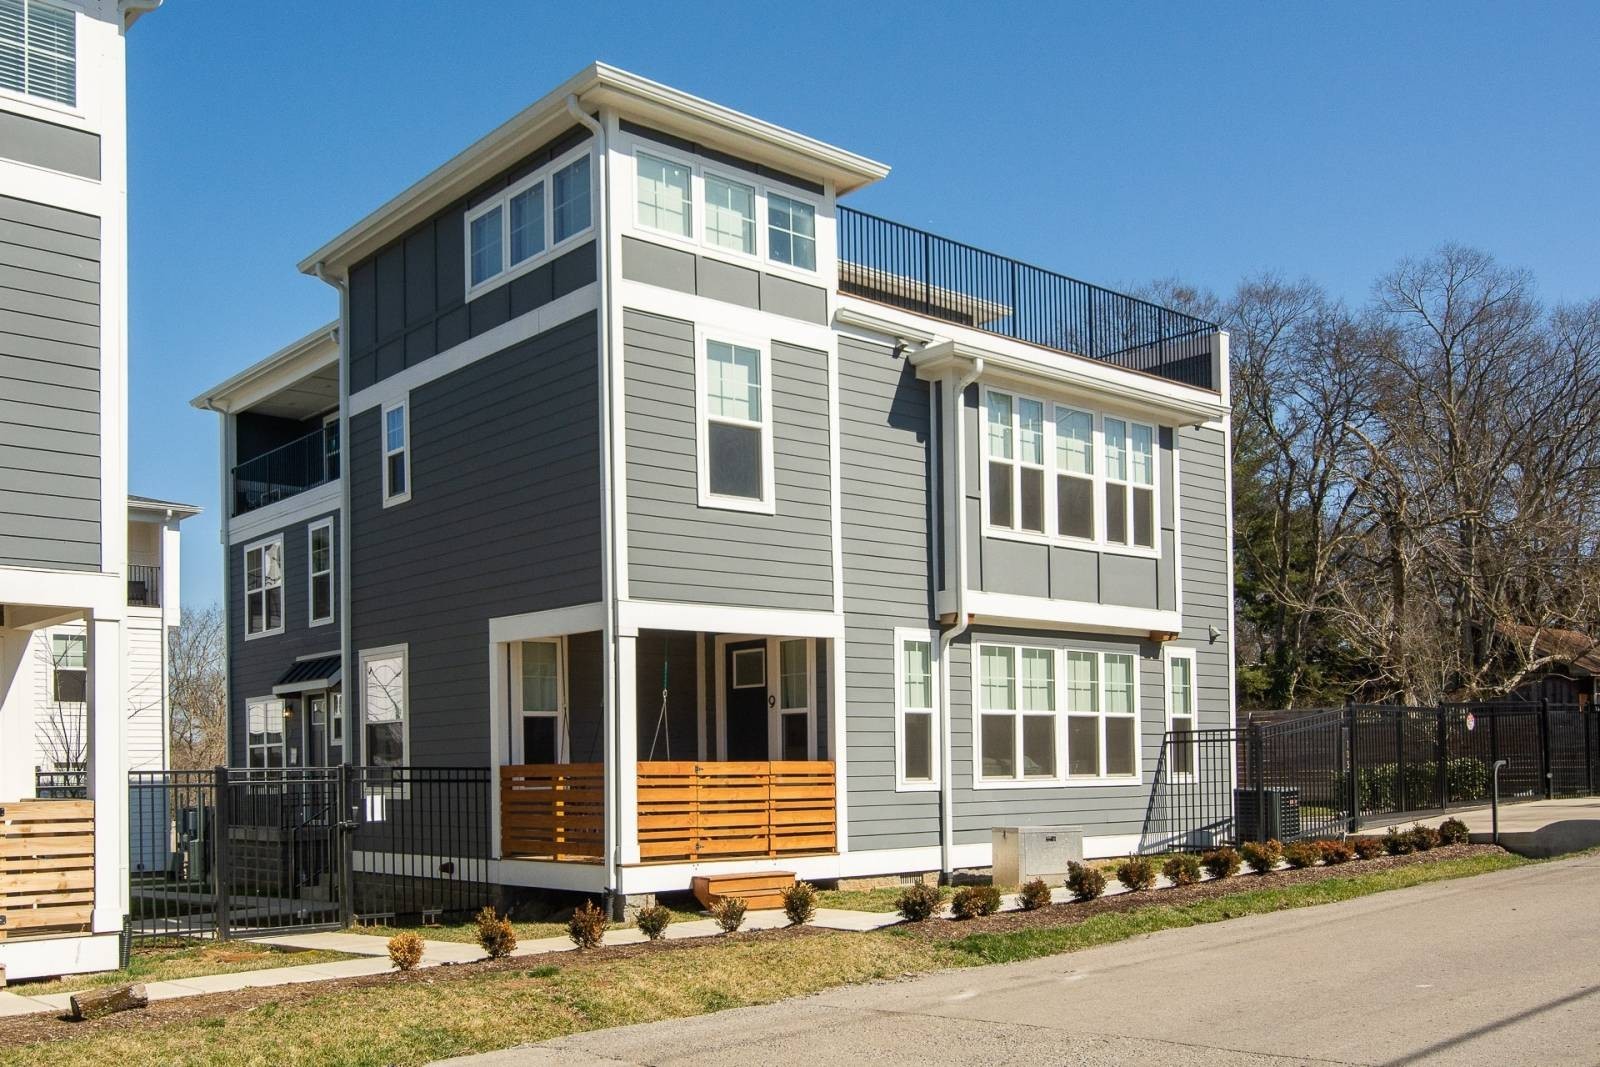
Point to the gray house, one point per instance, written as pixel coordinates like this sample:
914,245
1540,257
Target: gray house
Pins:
738,530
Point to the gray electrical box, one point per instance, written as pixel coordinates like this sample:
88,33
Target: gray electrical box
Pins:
1023,853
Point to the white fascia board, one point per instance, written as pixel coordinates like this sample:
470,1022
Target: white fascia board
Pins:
102,594
636,615
325,499
555,622
296,360
1011,609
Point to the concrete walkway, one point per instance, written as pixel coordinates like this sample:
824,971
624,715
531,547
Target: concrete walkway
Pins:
1537,828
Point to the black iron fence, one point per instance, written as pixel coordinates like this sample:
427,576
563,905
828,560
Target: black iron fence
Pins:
286,471
1325,773
238,852
909,268
60,785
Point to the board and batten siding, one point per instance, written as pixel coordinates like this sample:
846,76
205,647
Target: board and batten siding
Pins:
886,534
681,552
49,387
504,518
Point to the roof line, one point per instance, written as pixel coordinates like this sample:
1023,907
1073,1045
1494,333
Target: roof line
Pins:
206,401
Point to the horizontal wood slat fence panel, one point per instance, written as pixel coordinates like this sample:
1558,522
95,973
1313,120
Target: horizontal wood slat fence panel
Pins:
46,867
553,811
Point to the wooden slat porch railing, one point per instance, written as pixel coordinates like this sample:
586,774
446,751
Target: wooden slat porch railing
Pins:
46,867
553,811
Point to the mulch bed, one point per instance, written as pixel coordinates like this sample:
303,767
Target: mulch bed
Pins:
47,1026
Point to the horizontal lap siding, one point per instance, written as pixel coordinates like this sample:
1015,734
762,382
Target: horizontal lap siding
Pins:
49,387
679,551
1206,596
885,524
504,518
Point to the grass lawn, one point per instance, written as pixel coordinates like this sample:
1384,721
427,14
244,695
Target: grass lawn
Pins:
168,960
428,1016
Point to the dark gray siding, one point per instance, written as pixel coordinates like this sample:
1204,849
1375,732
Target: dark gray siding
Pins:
674,268
883,456
504,518
255,666
408,301
49,387
680,551
45,144
674,735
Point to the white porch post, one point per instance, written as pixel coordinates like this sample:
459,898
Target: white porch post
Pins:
499,741
108,773
628,749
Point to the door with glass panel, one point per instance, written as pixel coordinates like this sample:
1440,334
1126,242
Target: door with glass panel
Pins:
539,735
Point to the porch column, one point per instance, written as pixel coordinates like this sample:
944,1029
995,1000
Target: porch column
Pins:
627,749
107,773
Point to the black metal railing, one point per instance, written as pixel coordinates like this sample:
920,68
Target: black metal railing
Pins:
60,785
904,267
286,471
144,586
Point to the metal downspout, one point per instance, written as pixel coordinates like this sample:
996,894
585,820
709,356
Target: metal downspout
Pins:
948,637
343,533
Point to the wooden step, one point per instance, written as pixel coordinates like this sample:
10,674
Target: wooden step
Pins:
759,891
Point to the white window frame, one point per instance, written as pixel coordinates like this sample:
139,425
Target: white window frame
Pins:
283,744
776,709
764,240
767,504
902,784
366,655
283,606
404,406
312,574
56,668
1170,655
519,713
1052,534
49,103
502,200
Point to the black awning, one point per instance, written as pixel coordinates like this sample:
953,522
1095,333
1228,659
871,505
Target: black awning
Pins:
319,673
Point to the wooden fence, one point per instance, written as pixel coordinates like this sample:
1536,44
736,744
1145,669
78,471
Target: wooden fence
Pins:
46,867
553,811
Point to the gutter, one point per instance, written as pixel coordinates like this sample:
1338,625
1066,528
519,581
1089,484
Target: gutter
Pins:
345,629
948,637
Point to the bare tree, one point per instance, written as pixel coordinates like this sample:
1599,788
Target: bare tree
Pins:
198,690
63,732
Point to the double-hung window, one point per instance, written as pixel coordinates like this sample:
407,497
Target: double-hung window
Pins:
264,733
735,425
1181,710
570,213
1074,473
1121,715
384,707
1130,483
396,453
791,232
513,230
916,763
319,555
1055,716
263,588
539,702
730,214
526,223
69,668
1017,731
1016,447
665,199
39,50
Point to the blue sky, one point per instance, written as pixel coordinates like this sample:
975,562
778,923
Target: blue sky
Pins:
1114,142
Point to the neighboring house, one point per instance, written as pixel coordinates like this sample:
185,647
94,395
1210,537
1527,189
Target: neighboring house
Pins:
1569,663
737,529
64,508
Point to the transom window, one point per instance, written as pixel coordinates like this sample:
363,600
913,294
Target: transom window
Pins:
514,230
1057,471
320,565
1054,715
39,50
917,761
396,454
263,588
735,426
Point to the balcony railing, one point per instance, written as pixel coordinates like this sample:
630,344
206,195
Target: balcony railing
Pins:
144,586
918,271
284,472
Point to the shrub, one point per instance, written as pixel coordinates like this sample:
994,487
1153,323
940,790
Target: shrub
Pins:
1182,869
972,901
919,902
1136,873
1336,852
1302,854
1453,832
495,934
800,903
653,921
1396,842
1422,838
729,913
405,951
1261,856
1221,862
587,925
1368,848
1034,895
1084,881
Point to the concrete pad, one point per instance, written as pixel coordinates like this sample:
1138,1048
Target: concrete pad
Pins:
15,1004
1536,828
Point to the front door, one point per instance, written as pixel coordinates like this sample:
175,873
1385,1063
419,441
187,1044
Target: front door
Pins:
769,699
746,700
317,730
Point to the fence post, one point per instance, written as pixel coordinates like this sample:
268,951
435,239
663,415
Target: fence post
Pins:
220,867
1400,759
1354,767
1588,747
1546,764
1442,756
1258,779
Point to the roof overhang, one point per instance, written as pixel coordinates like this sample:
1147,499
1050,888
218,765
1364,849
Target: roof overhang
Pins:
314,351
597,85
163,509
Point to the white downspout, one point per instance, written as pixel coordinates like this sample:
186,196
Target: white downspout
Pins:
348,680
947,638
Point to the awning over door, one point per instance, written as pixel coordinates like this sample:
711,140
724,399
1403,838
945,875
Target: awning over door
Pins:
320,673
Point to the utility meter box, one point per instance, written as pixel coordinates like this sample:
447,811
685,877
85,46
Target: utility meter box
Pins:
1023,853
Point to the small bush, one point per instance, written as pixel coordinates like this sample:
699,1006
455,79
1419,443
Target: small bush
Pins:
800,903
919,902
1453,832
495,934
1084,881
653,921
1423,838
1034,895
1221,862
1261,856
1336,852
1368,848
405,951
587,925
1302,854
729,913
1182,869
1397,842
1136,873
972,901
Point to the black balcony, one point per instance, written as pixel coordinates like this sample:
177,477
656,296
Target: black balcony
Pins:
286,471
908,268
144,586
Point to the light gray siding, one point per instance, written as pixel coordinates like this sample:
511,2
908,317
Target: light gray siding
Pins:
686,272
1207,596
49,386
504,518
679,551
45,144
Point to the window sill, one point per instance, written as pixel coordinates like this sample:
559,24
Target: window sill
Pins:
264,633
916,787
753,507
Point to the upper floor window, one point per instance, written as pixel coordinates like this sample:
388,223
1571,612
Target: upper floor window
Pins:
1052,470
263,588
731,214
69,668
38,50
665,202
319,556
791,232
735,426
516,229
330,447
396,454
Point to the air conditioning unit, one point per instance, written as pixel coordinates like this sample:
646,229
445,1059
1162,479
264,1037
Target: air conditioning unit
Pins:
1023,853
1282,812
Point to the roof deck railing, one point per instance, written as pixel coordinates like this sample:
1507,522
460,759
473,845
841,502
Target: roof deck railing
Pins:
917,271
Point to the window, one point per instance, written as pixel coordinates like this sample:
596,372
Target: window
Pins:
914,686
263,588
69,668
664,198
572,199
330,447
539,702
1122,725
750,668
730,215
736,445
1130,483
1018,729
794,700
264,733
396,454
527,223
384,707
791,232
1074,473
1181,710
38,50
512,231
319,565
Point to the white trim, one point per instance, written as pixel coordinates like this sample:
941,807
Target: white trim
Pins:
704,336
735,683
502,200
903,634
1077,614
1169,654
294,361
403,651
311,573
636,615
700,694
281,514
553,622
739,320
282,587
519,712
283,744
402,405
775,708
